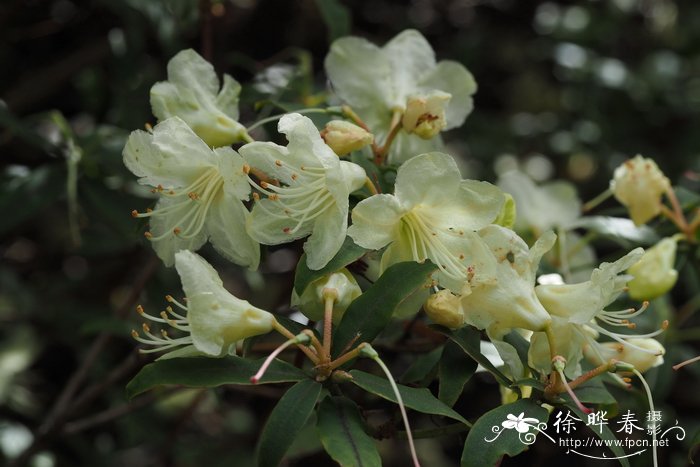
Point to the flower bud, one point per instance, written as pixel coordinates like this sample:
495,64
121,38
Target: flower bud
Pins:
642,353
345,137
444,308
638,184
425,114
312,301
654,274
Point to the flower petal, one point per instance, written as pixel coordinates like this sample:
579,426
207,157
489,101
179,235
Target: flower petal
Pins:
328,235
306,147
231,169
409,55
359,74
269,224
375,221
225,225
453,78
428,179
172,156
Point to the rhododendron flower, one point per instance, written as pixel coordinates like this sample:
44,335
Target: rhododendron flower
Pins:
200,193
213,319
639,184
508,302
192,93
379,82
434,215
313,195
654,274
578,315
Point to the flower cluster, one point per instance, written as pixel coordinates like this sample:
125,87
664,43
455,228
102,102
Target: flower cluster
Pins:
334,188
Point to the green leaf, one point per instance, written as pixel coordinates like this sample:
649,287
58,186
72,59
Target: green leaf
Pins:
520,344
618,228
469,338
347,254
605,433
336,16
209,372
455,371
420,399
286,420
342,433
488,440
369,314
421,367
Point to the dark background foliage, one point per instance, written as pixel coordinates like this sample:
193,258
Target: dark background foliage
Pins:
567,89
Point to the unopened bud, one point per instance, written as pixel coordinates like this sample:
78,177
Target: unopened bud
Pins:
653,273
444,308
425,114
312,300
345,137
638,184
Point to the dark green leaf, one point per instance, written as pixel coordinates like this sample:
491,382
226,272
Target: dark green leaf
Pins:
369,314
520,345
348,253
209,372
286,420
336,16
455,371
421,367
341,430
618,228
420,399
604,433
488,440
469,338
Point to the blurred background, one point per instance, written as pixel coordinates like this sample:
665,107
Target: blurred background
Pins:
567,90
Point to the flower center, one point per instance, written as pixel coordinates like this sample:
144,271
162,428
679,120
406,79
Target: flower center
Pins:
188,206
424,237
303,200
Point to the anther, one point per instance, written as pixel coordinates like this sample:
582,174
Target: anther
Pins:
134,213
256,196
278,163
139,309
134,334
148,235
177,230
246,169
145,327
169,298
286,230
